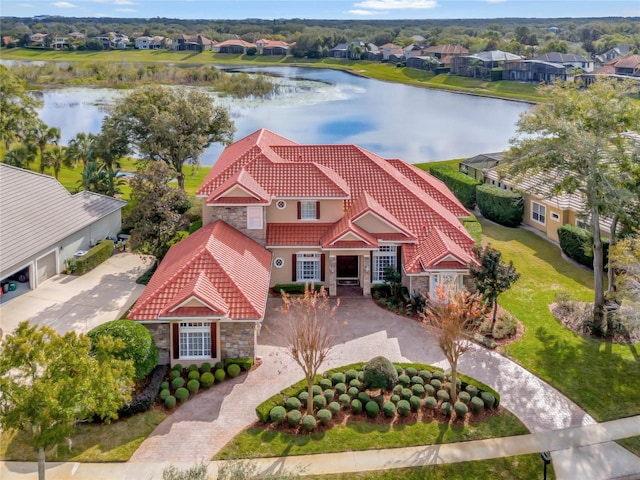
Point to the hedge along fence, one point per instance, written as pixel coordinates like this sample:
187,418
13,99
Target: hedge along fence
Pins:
94,257
577,244
502,206
462,186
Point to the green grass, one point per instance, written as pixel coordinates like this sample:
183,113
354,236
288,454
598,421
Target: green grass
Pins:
599,376
453,163
376,70
260,442
90,443
632,444
522,467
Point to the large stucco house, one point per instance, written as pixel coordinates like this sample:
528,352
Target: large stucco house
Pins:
276,212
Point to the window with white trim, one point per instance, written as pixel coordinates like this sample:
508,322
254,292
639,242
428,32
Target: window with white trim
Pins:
195,340
308,210
254,218
449,280
385,256
308,267
538,212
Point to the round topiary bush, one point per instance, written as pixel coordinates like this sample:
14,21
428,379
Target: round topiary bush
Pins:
193,368
353,392
356,406
415,403
277,414
344,399
425,375
319,401
233,370
429,390
351,375
435,383
218,366
488,399
404,408
361,376
177,383
174,374
404,380
293,418
324,416
446,408
431,403
364,397
333,407
170,402
411,371
471,390
395,399
292,403
417,380
460,409
337,378
317,390
328,395
438,375
477,405
164,393
207,379
220,375
137,344
406,393
164,385
205,367
309,423
443,395
324,384
193,385
178,367
418,390
355,383
372,409
182,394
389,409
341,388
379,372
464,397
399,369
194,375
397,389
303,397
379,399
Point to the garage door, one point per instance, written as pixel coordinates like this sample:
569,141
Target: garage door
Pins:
46,267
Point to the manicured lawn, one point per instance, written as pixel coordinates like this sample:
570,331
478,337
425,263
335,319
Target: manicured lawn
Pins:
453,163
601,377
259,442
522,467
91,442
632,444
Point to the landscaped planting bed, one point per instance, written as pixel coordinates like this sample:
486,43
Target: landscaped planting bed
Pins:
183,383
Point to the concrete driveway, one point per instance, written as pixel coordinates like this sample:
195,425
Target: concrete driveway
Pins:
68,302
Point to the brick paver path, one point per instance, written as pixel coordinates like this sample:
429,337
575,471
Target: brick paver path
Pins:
203,425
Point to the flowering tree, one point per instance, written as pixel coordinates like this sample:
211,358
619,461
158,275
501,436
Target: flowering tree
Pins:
310,319
457,314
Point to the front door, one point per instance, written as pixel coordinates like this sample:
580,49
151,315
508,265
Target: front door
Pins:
348,270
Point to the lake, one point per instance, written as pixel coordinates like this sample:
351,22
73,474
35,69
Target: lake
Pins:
322,106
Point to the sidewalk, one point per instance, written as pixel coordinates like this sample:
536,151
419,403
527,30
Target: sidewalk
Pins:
586,452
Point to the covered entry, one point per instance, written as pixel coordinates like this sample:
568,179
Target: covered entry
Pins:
348,270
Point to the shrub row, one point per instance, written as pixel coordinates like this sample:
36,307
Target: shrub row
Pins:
462,186
144,401
577,244
502,206
94,257
293,288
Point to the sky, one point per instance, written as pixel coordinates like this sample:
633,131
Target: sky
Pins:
322,9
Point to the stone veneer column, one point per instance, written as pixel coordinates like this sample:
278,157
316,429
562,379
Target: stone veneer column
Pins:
160,334
366,276
333,276
238,339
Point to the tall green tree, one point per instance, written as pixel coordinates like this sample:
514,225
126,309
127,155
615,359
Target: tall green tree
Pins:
81,149
21,156
576,140
49,382
492,276
43,135
18,109
54,157
171,125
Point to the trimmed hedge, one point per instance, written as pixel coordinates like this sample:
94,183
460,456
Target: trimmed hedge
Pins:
94,257
577,244
143,402
263,410
461,185
293,288
245,363
501,206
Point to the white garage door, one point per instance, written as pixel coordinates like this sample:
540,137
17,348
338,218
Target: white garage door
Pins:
46,267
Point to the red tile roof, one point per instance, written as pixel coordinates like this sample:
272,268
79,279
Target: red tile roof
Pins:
436,248
405,197
219,267
343,228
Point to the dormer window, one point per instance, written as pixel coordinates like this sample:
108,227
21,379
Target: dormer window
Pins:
308,210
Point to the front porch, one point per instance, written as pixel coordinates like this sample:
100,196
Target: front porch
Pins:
349,275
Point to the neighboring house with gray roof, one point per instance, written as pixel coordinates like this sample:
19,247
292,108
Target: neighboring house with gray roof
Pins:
42,224
568,60
481,64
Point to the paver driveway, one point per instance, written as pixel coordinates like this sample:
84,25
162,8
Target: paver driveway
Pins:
206,423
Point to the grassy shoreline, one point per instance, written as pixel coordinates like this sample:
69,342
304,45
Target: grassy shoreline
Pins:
514,91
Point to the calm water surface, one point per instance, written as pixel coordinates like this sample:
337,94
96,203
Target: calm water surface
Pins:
319,106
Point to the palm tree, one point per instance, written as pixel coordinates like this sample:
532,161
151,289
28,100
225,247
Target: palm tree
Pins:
81,149
54,157
43,135
21,156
